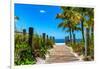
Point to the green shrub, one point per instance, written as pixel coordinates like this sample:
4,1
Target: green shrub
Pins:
24,54
80,49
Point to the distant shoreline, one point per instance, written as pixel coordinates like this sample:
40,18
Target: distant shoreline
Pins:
59,43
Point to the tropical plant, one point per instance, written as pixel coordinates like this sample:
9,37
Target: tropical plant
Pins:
70,19
16,18
23,54
76,18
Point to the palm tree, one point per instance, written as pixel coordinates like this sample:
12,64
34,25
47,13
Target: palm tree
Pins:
16,18
70,19
89,27
86,25
77,16
85,12
65,24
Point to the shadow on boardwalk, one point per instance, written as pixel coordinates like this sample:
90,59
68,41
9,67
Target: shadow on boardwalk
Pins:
61,54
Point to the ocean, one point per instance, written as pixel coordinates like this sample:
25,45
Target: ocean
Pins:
59,40
63,40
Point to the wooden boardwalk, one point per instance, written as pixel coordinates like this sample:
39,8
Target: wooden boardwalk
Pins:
61,54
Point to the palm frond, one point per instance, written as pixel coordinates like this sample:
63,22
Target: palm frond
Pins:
62,25
16,17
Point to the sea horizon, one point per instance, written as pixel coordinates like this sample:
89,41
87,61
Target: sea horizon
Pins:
63,40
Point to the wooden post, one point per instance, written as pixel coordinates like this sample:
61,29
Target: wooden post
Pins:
53,38
24,31
44,40
24,34
68,39
30,40
50,37
65,39
44,37
30,36
47,37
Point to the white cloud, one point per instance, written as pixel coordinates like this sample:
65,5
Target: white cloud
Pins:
42,11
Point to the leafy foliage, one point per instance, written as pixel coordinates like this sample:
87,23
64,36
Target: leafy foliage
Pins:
76,19
23,54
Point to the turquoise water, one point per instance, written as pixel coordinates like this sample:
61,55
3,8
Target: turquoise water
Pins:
59,40
63,40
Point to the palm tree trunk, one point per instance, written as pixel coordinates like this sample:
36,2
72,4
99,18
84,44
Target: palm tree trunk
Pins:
82,28
15,27
85,45
74,38
70,36
90,32
88,42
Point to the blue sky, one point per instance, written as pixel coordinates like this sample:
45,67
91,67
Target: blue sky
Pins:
42,18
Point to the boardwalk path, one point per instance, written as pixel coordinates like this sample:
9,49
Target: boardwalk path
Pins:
61,54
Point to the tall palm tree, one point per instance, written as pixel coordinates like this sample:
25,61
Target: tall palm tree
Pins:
16,18
65,24
85,12
70,19
87,25
76,16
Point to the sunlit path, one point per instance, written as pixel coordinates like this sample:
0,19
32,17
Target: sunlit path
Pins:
60,54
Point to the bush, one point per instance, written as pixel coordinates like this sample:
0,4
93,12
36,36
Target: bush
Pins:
24,54
79,49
